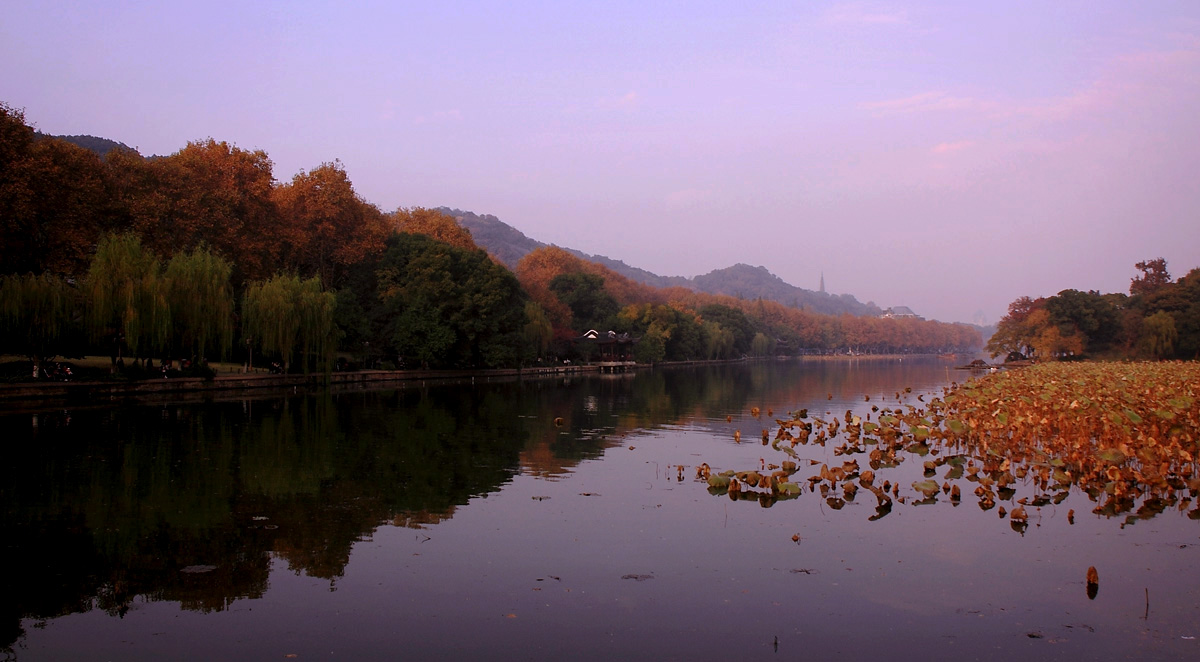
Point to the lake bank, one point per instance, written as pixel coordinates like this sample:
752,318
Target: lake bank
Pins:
85,391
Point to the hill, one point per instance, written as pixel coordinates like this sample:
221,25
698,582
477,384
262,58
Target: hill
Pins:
98,145
509,245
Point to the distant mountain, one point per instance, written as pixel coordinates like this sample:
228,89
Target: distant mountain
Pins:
100,146
509,245
500,239
747,282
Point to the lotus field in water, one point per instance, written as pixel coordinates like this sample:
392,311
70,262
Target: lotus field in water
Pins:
1125,434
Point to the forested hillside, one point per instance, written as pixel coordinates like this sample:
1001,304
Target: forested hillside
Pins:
203,254
100,146
742,281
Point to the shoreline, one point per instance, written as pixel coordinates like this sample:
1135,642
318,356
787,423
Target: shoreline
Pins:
236,385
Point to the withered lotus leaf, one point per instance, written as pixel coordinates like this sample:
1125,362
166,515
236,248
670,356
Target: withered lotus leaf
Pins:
1124,435
927,487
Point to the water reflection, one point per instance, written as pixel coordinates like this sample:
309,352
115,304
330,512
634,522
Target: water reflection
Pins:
190,503
195,504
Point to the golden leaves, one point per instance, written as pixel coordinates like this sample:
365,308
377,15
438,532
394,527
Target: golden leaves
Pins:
1124,434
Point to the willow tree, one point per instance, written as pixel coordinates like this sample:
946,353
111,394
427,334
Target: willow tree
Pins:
286,315
201,299
538,331
126,295
36,314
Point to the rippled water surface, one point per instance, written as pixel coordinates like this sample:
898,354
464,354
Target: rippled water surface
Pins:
548,519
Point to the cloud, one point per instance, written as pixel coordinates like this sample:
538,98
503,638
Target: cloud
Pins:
1127,78
926,102
857,13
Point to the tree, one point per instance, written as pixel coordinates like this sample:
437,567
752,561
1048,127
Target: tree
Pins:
208,193
733,320
36,316
328,226
1154,276
591,306
444,306
538,331
126,298
201,301
1014,333
761,345
289,317
1087,313
435,225
53,201
1159,334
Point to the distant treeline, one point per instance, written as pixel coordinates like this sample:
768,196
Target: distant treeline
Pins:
203,254
1159,318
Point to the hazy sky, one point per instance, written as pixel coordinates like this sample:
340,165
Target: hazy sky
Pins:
948,156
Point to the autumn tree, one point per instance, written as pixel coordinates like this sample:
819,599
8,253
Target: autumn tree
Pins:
328,226
536,270
209,192
54,201
1154,277
433,224
1014,333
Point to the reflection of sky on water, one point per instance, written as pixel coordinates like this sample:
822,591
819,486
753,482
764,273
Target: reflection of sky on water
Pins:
535,567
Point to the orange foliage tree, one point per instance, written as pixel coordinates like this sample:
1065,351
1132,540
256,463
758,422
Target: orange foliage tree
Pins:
53,201
328,226
208,193
433,224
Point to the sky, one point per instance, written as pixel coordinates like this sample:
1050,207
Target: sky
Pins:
947,156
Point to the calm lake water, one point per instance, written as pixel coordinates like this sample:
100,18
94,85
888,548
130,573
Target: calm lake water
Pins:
462,521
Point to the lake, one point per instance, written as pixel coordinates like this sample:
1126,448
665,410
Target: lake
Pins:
551,519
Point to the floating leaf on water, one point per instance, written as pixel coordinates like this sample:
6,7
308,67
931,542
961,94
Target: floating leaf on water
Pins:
927,487
718,481
1111,455
956,426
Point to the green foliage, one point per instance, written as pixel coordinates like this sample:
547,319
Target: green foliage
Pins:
201,300
36,315
761,345
444,306
288,318
127,295
1159,334
1162,320
538,330
591,306
735,322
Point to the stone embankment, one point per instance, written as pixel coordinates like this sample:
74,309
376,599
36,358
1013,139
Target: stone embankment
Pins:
94,391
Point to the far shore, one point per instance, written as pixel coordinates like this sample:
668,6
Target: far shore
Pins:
233,385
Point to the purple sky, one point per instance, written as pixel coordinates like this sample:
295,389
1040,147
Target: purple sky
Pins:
948,156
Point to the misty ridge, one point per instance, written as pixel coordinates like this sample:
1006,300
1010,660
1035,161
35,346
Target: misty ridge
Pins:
741,280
